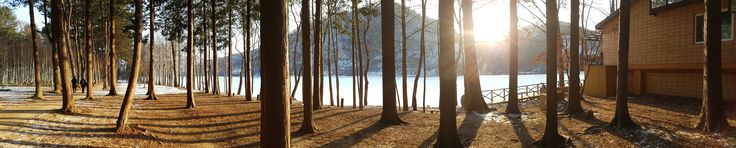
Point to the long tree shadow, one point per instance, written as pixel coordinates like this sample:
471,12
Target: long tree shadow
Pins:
522,133
430,140
639,136
358,136
468,129
39,144
671,103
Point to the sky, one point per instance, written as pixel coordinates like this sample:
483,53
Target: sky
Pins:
491,17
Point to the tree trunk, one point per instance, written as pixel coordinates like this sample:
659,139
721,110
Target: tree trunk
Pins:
329,54
422,48
307,97
447,133
229,50
122,123
337,71
274,63
175,64
513,104
389,114
473,96
317,94
359,60
574,107
151,69
551,136
215,75
58,24
113,61
712,115
621,118
190,55
205,38
88,46
403,56
36,60
354,45
54,55
248,71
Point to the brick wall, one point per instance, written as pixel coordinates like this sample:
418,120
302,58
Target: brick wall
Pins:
663,47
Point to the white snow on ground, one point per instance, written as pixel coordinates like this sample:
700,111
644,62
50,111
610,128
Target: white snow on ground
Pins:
500,117
22,92
141,89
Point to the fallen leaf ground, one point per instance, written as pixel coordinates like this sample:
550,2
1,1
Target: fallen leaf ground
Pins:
233,122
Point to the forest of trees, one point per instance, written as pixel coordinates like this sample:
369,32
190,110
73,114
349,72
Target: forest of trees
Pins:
97,40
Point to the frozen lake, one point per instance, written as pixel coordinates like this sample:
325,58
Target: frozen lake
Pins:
375,87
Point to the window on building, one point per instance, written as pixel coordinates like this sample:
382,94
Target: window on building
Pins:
663,3
726,27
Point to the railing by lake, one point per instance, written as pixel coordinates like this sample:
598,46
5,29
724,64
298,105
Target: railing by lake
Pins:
525,93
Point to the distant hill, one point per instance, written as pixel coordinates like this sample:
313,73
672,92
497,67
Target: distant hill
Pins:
492,57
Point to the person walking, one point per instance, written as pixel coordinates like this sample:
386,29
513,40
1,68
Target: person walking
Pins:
74,84
83,84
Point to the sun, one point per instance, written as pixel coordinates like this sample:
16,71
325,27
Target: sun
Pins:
491,23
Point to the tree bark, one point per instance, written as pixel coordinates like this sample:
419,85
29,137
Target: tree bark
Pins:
248,71
151,69
403,56
190,55
473,96
389,114
574,107
215,75
229,50
57,21
113,61
513,105
122,123
88,46
712,115
274,63
317,94
551,136
447,134
36,60
621,118
307,96
422,48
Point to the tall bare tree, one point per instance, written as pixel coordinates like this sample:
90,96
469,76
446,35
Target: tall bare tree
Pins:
248,71
57,20
712,115
229,49
112,57
122,122
422,53
88,46
403,56
215,74
275,68
151,70
473,97
317,94
621,118
513,105
190,55
389,115
574,107
307,96
551,137
36,59
447,135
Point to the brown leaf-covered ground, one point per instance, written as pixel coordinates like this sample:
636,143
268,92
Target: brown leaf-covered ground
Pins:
233,122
